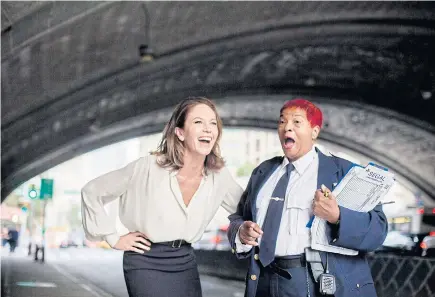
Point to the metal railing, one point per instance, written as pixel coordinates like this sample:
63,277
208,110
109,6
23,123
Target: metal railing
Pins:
394,276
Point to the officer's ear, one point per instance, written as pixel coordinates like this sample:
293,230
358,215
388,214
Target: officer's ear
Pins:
315,132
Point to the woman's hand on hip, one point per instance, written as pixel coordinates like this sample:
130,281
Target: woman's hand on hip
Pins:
133,241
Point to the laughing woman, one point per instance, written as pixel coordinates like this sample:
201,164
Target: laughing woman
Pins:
166,200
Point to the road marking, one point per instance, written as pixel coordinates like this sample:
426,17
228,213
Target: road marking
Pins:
66,274
7,289
36,284
94,290
89,289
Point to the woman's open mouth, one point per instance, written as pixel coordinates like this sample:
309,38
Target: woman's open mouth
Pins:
205,139
288,142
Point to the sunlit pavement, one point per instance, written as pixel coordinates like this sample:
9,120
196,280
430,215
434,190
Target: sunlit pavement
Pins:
97,272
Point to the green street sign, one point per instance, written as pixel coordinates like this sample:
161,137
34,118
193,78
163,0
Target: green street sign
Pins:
32,192
46,191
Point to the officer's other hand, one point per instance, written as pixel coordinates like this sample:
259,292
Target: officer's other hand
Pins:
325,205
249,232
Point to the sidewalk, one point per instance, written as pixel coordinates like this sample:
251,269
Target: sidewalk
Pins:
23,277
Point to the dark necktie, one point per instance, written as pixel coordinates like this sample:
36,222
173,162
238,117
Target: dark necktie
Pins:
273,219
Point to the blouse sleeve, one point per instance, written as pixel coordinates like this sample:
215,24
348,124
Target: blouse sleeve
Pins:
97,224
233,191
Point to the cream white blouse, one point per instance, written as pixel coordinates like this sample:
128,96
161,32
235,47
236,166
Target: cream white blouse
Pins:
150,202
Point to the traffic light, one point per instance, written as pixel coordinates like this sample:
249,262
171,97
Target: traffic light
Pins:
32,193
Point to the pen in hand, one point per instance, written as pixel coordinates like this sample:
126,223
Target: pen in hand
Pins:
388,202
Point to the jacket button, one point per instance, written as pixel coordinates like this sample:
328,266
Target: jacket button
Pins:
256,257
357,285
253,277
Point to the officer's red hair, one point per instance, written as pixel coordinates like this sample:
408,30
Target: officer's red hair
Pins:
314,114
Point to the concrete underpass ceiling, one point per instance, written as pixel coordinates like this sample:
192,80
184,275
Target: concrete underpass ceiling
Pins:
72,80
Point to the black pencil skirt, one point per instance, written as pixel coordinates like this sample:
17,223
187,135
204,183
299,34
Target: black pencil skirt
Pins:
162,272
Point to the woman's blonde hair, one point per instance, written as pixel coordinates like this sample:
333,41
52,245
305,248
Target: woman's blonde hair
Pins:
170,150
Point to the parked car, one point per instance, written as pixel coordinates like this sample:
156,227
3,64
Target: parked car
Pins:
399,243
103,245
68,243
74,239
428,245
406,244
214,240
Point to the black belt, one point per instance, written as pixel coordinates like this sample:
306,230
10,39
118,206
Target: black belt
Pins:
290,262
175,243
281,264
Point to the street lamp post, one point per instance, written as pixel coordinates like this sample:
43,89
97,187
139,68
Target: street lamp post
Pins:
46,192
44,214
30,224
32,194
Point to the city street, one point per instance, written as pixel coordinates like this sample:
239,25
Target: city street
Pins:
99,271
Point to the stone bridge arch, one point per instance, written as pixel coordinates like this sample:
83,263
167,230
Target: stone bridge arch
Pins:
71,76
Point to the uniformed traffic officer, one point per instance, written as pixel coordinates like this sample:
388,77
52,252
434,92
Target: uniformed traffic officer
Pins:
283,193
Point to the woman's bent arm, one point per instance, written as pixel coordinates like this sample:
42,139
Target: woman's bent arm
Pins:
98,225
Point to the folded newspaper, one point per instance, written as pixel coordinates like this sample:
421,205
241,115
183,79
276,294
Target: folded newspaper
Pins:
361,190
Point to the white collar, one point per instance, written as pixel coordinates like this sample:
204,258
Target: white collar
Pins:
303,162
